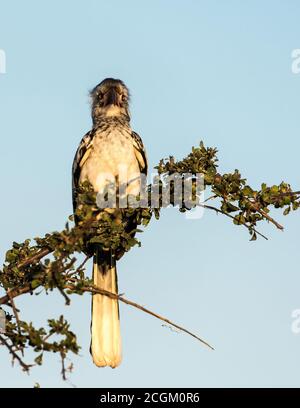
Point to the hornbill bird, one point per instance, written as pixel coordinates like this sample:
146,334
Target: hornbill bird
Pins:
111,144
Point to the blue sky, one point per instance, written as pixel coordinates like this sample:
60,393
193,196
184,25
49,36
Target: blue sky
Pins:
197,70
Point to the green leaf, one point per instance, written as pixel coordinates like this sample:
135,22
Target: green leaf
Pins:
39,359
274,189
247,190
35,283
231,207
263,186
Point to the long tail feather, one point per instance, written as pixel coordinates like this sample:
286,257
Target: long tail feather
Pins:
106,337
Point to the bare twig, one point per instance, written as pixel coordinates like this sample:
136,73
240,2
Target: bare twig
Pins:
63,368
93,289
257,208
16,292
80,266
66,297
264,214
210,198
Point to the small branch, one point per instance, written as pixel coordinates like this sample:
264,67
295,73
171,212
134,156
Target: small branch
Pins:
217,210
80,266
142,308
41,254
12,293
63,368
288,193
66,297
15,311
47,337
16,292
210,198
128,302
257,208
25,366
264,214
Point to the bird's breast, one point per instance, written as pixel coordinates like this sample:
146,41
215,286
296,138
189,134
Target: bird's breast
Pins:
110,156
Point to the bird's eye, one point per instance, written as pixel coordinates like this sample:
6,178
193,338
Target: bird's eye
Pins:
100,96
124,98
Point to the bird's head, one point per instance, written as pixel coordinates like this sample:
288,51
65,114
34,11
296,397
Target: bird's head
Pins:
110,99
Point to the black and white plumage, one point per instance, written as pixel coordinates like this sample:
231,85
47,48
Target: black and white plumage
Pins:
109,146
